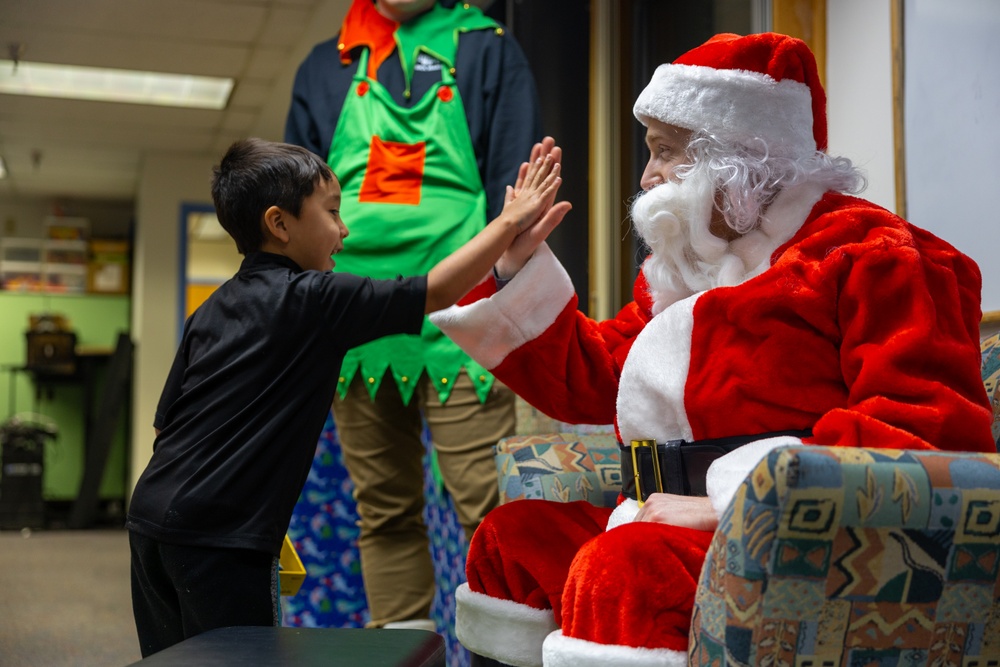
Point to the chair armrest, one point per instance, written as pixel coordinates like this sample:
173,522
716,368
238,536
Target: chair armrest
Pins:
990,368
839,555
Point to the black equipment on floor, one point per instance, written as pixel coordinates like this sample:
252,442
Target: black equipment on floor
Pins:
22,460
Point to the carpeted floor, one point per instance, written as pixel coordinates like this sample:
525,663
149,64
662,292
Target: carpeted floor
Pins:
64,599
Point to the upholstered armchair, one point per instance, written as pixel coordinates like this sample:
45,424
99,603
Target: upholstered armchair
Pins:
826,556
832,556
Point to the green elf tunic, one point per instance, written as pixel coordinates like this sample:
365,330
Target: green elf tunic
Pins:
411,194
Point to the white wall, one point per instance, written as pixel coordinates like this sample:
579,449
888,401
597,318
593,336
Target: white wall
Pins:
859,92
952,102
165,183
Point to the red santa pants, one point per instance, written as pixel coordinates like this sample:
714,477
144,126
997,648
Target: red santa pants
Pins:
633,585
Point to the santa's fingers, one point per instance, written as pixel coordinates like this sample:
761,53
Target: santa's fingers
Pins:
542,148
537,172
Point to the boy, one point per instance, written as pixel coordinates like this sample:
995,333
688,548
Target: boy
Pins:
251,385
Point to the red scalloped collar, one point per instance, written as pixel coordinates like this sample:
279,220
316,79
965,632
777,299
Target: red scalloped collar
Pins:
364,26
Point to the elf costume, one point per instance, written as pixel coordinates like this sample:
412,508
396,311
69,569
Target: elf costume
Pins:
851,327
424,123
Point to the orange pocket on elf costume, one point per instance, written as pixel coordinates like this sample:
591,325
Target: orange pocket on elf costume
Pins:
394,174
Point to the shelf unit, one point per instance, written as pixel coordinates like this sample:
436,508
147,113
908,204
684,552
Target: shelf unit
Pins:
43,265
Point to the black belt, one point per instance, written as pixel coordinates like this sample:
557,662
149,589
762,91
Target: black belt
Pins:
682,465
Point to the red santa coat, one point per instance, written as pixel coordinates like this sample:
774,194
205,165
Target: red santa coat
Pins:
854,324
863,328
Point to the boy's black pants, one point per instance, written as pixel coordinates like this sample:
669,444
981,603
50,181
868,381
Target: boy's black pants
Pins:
180,591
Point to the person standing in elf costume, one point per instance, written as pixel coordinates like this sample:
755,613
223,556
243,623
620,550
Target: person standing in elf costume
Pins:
424,111
774,309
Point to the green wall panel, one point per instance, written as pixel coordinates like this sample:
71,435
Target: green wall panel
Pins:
97,320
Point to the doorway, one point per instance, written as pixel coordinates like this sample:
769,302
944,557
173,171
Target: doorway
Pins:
208,258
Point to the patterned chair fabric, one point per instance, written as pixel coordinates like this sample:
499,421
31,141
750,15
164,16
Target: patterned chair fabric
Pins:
991,378
559,466
833,557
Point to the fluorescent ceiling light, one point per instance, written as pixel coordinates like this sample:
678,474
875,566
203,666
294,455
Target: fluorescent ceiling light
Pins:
114,85
3,168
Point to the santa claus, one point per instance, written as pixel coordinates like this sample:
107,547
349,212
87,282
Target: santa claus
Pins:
775,308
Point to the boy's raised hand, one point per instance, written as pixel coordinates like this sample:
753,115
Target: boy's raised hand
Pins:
536,192
546,146
530,214
543,154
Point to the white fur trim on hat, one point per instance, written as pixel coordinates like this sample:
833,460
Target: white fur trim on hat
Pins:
734,105
490,329
501,629
563,651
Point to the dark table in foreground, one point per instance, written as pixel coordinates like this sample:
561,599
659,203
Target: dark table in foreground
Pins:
303,647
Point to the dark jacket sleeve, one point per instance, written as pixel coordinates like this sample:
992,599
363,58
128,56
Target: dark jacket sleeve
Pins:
321,84
503,110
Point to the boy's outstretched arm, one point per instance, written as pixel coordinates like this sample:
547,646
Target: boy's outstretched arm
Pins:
533,207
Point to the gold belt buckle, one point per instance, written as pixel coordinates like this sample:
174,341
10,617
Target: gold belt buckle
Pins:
657,476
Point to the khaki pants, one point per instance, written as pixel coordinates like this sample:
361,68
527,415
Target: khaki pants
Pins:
383,454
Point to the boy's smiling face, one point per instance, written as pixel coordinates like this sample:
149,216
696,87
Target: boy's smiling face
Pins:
318,232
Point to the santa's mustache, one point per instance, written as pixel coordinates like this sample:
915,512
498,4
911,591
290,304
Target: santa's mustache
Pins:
674,220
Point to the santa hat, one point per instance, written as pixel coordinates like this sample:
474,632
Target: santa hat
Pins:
743,89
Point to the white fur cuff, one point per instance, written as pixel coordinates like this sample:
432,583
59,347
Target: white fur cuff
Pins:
490,329
563,651
501,629
624,513
727,473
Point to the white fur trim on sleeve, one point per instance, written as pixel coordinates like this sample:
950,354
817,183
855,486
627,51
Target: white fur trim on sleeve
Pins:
624,513
501,629
562,651
490,329
727,473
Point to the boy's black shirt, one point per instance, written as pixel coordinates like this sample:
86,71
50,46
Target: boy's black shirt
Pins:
248,394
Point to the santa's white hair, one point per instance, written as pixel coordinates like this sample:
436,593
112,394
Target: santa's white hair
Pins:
674,218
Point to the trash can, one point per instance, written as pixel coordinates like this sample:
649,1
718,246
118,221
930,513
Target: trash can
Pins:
22,461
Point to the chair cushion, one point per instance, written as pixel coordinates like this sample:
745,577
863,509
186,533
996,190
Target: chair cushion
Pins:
559,466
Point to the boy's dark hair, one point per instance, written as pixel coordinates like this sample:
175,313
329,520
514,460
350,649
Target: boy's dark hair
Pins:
253,176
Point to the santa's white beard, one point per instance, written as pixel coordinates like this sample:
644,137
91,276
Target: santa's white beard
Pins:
674,220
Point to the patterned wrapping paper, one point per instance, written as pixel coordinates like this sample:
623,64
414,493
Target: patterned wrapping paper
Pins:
325,532
842,557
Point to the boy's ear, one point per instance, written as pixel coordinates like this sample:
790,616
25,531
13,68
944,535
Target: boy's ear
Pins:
274,221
